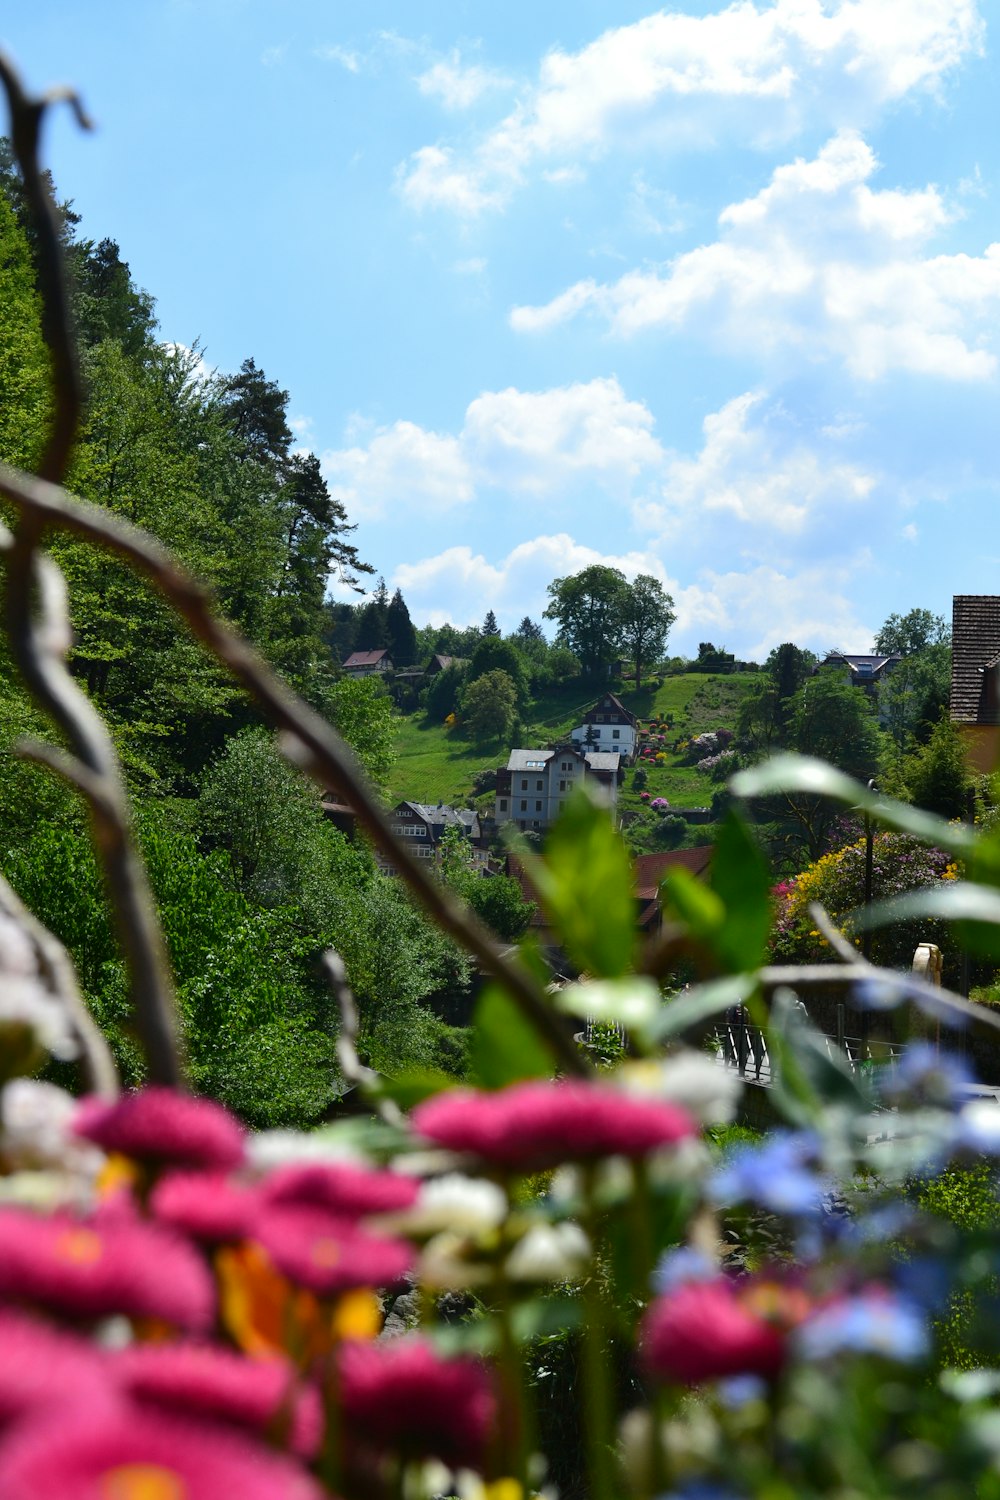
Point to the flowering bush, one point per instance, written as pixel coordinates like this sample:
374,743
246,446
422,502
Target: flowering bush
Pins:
660,804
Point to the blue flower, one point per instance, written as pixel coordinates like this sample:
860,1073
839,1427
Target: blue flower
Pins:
683,1265
923,1075
776,1175
701,1489
872,1322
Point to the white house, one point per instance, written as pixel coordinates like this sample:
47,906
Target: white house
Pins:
608,726
533,786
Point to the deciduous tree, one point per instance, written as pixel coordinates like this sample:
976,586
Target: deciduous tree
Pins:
588,607
646,615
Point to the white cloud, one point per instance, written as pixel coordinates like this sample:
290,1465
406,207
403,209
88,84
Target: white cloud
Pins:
403,465
755,72
474,266
459,584
820,264
459,85
749,469
532,442
748,612
342,55
752,612
431,179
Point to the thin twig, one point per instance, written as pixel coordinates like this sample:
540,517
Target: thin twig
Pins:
59,974
351,1065
92,766
818,976
26,114
319,748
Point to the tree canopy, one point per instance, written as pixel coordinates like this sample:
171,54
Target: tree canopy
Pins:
588,607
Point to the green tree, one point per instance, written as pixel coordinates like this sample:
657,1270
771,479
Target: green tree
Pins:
24,367
496,655
489,705
646,615
256,411
588,607
489,625
912,632
362,712
402,638
373,623
937,774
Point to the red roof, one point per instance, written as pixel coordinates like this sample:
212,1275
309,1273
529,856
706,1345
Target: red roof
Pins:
651,868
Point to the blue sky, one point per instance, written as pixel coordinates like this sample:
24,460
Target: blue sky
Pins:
710,292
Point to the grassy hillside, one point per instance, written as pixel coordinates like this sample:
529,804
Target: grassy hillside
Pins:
437,765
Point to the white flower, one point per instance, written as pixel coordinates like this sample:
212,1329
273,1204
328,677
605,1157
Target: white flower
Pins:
549,1252
25,1004
281,1148
36,1129
445,1265
708,1091
466,1205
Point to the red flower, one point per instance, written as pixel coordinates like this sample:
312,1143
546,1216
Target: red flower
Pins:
342,1189
205,1380
207,1206
704,1330
330,1255
43,1366
400,1395
90,1268
163,1127
531,1126
130,1454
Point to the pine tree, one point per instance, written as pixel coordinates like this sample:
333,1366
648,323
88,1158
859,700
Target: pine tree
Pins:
490,626
373,627
401,631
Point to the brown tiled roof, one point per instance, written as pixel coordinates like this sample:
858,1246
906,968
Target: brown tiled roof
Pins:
975,644
651,868
365,658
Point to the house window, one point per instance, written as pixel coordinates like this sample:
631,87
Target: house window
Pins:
616,734
538,807
562,788
598,718
524,805
534,822
534,765
411,830
503,804
539,785
566,765
524,783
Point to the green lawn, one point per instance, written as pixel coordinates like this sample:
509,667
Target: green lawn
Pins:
435,765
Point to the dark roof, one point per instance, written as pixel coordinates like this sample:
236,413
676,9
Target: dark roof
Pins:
975,645
609,703
439,816
365,658
444,662
651,868
856,660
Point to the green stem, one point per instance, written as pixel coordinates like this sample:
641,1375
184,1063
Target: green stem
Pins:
514,1404
597,1409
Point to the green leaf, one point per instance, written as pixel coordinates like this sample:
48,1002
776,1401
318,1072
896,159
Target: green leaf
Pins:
412,1087
698,907
634,1002
975,910
696,1006
505,1046
586,886
808,1073
742,879
801,773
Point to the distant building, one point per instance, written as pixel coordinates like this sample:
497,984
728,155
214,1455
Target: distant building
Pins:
533,786
864,670
422,825
975,676
649,872
367,663
608,725
440,663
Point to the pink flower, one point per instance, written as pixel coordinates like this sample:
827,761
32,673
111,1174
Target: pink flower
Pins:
206,1380
163,1127
130,1454
43,1366
90,1268
534,1125
330,1255
342,1189
399,1394
704,1330
207,1206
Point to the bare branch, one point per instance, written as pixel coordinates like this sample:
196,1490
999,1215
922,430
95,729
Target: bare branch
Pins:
351,1065
319,748
26,114
91,765
56,966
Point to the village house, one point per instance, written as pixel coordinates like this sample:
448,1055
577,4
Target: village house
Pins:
533,786
367,663
975,677
423,824
608,725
